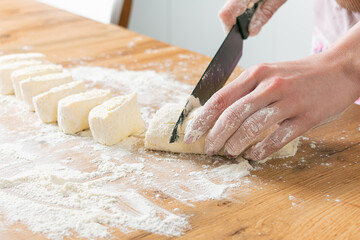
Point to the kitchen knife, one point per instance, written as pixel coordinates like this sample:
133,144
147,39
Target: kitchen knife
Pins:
221,66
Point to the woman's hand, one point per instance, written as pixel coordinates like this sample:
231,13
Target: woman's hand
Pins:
234,8
296,95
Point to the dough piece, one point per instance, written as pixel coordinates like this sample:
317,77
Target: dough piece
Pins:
11,58
36,85
158,135
160,127
73,111
6,86
115,119
289,150
46,103
32,71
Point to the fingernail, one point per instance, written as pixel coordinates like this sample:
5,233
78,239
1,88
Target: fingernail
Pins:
209,150
188,139
210,153
229,155
192,136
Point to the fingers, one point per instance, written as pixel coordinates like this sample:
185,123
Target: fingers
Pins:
230,11
234,8
255,125
235,115
262,15
287,131
222,99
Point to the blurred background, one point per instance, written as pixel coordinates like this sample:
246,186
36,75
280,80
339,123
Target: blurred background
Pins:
194,25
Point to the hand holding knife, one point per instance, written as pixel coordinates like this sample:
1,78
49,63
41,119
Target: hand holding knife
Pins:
221,66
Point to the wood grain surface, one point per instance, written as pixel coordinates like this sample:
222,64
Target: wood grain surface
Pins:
329,168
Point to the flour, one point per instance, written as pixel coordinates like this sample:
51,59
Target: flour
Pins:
66,186
233,172
295,202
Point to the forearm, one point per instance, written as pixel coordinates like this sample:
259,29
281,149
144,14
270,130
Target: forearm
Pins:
346,51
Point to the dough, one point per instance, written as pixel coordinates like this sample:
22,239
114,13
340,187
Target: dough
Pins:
115,119
73,111
32,71
46,103
36,85
160,127
11,58
158,135
289,150
6,86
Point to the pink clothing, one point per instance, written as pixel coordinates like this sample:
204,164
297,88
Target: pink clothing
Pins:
319,42
331,22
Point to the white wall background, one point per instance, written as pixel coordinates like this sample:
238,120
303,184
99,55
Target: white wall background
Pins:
194,25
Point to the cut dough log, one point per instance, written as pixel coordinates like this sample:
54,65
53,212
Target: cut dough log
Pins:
115,119
73,111
6,86
36,85
46,103
11,58
158,134
32,71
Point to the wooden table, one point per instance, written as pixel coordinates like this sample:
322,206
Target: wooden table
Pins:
326,182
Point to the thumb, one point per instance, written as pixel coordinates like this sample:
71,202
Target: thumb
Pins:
262,15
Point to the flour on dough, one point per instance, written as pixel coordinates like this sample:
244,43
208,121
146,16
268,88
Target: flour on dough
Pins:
6,86
161,125
46,103
73,111
36,85
160,128
32,71
115,119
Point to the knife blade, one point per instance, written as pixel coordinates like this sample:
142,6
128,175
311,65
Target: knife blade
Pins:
220,67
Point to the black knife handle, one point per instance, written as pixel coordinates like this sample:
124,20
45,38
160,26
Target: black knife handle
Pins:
244,20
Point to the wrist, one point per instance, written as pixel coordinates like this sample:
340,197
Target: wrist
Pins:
344,61
346,53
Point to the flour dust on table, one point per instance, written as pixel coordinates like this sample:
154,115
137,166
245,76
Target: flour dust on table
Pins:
71,186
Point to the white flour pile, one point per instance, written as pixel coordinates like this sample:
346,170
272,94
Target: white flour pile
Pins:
70,186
